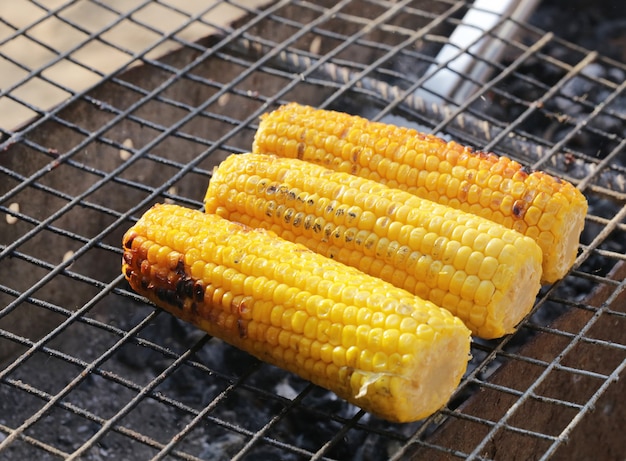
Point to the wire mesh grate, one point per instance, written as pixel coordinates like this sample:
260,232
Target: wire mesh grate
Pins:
91,371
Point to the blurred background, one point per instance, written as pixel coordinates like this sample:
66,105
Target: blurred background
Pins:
31,38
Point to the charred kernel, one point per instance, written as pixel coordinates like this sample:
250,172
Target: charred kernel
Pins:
198,290
129,242
127,257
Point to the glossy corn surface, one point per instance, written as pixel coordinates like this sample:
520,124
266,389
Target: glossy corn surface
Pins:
549,210
373,344
484,273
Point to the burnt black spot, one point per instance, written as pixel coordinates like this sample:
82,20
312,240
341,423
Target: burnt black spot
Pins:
198,291
169,296
144,283
526,169
518,209
129,242
180,266
188,288
340,212
297,220
242,329
128,257
160,293
271,189
288,215
180,287
291,195
355,154
128,272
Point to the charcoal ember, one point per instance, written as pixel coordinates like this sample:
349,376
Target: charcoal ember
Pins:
586,87
163,331
221,448
581,86
266,451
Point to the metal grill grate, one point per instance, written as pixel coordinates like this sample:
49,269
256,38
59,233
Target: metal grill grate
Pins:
90,371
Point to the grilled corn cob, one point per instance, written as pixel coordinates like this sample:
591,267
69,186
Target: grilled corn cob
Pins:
375,345
543,207
484,273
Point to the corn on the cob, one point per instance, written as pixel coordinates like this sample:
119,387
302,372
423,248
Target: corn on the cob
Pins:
543,207
484,273
373,344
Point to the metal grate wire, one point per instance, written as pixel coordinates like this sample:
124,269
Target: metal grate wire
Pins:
89,370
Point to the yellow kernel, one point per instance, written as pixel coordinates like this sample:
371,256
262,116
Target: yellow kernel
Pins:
502,277
326,352
546,222
449,251
509,254
298,321
407,343
469,236
367,220
532,232
469,287
546,239
478,316
494,182
324,308
444,280
284,338
450,301
425,332
391,338
494,248
462,256
484,292
352,356
339,356
378,319
488,267
532,215
408,324
336,313
473,263
379,361
271,335
349,335
362,335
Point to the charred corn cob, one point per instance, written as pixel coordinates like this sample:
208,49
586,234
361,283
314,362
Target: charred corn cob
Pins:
373,344
543,207
484,273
